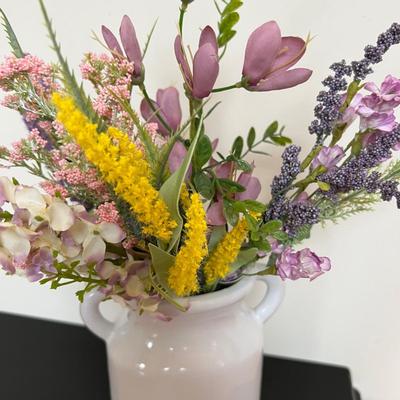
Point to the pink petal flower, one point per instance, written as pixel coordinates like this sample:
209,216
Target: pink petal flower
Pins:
131,45
176,158
205,71
283,80
182,60
293,48
94,249
261,51
168,101
252,185
208,36
111,40
215,214
111,233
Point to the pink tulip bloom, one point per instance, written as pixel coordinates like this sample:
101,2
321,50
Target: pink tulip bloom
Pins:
167,104
268,58
129,42
201,81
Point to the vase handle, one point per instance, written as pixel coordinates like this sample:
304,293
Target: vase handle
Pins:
272,298
92,317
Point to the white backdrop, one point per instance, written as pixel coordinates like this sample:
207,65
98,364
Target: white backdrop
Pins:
349,316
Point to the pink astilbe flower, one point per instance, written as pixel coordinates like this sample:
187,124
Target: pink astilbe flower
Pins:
17,153
107,212
53,188
37,141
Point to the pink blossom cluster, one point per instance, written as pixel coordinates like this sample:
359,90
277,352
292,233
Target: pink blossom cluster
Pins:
53,189
111,77
39,72
107,212
375,110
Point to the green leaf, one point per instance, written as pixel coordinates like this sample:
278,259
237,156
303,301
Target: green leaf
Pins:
5,216
237,147
254,205
281,236
15,181
325,187
307,161
271,227
228,22
268,271
81,100
11,36
271,130
203,151
263,245
217,233
171,189
251,137
204,185
230,213
244,257
252,223
149,36
243,165
232,6
226,37
281,140
161,262
230,186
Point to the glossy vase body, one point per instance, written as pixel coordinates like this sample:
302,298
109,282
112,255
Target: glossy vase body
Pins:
211,352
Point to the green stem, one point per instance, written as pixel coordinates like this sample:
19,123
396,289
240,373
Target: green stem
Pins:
182,16
225,88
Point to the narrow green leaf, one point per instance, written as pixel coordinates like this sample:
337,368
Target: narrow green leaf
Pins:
254,205
232,6
230,186
228,22
251,137
251,222
237,147
171,189
217,233
161,262
281,140
11,36
148,40
243,165
324,186
230,213
244,257
271,130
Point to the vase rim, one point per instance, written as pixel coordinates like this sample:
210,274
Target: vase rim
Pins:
221,298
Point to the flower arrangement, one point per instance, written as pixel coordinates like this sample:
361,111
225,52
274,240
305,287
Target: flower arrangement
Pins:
140,204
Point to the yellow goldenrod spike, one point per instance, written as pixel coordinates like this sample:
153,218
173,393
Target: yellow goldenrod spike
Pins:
183,274
122,165
226,252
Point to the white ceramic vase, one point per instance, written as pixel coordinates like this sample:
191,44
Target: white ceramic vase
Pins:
213,351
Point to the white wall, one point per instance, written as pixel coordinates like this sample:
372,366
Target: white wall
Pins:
350,316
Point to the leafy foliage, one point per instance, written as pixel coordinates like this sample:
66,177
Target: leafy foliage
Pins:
12,38
229,17
81,99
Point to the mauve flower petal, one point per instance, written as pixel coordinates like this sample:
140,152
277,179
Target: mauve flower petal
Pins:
224,171
111,233
205,71
208,36
261,50
176,157
182,61
168,101
111,40
252,185
215,214
131,44
7,190
284,80
293,48
214,144
61,217
149,115
94,249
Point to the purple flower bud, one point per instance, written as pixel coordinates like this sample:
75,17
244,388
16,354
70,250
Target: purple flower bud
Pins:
168,106
129,43
205,64
301,264
328,157
268,58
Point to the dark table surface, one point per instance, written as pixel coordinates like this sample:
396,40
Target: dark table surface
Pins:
44,360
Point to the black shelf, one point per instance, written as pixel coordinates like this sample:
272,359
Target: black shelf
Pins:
44,360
